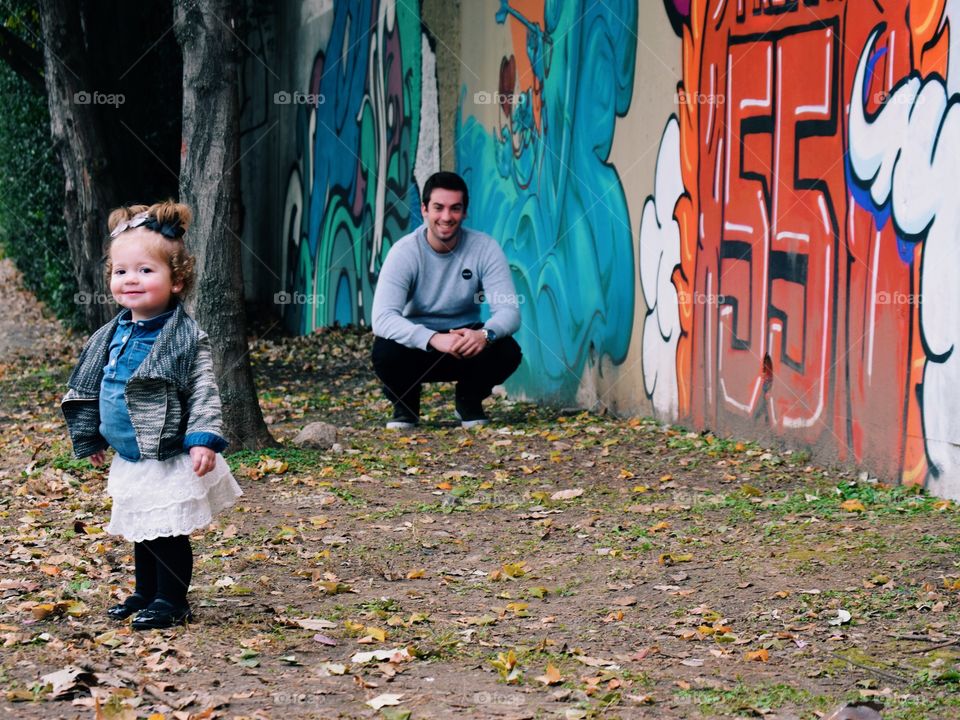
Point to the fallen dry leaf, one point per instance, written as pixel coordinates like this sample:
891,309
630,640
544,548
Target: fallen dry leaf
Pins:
385,699
315,624
567,494
552,676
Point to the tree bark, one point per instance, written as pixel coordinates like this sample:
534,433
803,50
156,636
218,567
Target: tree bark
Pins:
77,131
210,184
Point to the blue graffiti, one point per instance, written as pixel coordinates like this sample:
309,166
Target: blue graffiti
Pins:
547,191
353,192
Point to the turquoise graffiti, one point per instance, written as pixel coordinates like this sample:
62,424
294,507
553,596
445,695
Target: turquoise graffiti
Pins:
364,140
541,182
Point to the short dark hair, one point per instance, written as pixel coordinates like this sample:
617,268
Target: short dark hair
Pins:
445,181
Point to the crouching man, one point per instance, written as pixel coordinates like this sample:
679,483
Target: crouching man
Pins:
426,310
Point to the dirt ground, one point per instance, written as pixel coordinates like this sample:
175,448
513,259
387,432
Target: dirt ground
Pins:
555,564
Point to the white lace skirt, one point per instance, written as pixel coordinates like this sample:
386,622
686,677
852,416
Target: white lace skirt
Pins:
160,498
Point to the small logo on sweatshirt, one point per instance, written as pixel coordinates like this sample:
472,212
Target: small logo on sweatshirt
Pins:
466,274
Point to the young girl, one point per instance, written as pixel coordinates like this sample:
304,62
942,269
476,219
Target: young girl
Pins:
144,386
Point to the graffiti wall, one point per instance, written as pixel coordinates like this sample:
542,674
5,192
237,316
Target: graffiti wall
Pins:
542,182
366,128
803,233
733,214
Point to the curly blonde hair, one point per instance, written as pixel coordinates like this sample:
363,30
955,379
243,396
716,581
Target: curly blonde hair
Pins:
172,249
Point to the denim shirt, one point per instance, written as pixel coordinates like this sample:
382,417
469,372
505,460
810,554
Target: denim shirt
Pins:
129,346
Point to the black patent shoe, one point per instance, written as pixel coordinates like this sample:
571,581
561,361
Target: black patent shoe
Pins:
161,614
128,607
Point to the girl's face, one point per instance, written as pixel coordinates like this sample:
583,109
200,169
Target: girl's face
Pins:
140,279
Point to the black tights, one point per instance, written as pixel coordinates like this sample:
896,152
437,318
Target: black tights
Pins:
164,567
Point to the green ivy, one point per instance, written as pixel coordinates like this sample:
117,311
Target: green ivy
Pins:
32,230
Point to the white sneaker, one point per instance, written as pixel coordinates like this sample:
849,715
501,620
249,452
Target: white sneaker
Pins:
400,425
467,424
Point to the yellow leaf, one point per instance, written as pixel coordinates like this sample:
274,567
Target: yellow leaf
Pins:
44,610
376,633
626,474
853,505
353,627
76,608
334,587
485,485
666,478
750,491
518,608
272,465
662,525
444,486
640,489
515,570
758,655
416,574
671,558
505,663
942,505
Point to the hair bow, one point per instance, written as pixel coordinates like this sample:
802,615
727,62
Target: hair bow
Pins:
171,230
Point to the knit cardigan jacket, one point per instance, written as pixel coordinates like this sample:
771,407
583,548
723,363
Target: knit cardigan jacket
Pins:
171,395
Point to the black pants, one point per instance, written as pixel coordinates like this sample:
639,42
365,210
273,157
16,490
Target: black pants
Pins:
403,370
164,567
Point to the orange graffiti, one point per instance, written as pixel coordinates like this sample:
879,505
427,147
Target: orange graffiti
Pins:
930,36
800,338
525,78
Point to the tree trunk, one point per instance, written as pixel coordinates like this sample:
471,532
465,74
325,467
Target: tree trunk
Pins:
210,184
77,131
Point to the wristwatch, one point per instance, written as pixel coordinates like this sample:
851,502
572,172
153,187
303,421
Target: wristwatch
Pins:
489,335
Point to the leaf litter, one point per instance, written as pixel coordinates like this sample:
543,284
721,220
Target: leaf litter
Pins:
565,563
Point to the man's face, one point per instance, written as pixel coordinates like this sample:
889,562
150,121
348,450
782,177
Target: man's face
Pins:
443,214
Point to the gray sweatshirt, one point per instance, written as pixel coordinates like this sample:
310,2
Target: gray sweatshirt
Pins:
421,291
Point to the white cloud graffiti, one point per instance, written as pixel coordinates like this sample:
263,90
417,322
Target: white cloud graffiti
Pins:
659,256
906,155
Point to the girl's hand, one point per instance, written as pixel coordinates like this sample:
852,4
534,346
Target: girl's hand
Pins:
203,459
98,457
